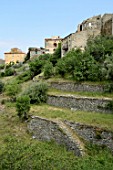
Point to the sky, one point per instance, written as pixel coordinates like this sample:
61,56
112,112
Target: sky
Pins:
26,23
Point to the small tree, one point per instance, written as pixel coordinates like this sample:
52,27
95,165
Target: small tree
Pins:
23,106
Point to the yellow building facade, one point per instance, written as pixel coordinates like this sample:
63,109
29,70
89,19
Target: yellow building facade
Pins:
14,55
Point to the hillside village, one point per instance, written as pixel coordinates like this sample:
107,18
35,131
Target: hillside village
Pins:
92,27
56,102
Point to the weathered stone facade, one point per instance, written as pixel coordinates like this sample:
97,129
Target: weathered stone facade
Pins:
97,25
35,52
14,55
52,43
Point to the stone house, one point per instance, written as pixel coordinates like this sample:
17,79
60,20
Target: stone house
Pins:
35,52
52,43
14,55
97,25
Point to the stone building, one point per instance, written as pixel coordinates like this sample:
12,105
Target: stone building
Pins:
97,25
35,52
52,43
14,55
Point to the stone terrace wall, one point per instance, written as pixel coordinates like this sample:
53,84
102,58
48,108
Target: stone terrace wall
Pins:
79,103
93,134
70,86
47,130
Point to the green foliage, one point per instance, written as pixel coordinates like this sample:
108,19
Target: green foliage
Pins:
56,55
9,71
110,105
61,67
12,89
107,68
23,106
17,65
1,86
27,57
48,70
37,92
99,46
25,76
35,67
49,156
2,66
9,65
108,88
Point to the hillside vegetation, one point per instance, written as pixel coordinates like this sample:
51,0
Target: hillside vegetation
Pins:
23,92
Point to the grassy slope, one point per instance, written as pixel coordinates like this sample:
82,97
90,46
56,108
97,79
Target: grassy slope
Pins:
44,155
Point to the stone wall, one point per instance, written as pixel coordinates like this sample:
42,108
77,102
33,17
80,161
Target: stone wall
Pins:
70,134
93,134
80,103
47,130
79,87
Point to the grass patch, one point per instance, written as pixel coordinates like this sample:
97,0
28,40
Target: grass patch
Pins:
53,91
97,119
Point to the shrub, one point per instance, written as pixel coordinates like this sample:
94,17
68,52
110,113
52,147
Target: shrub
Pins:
2,66
23,106
56,55
37,92
35,67
1,86
12,89
25,76
48,70
61,67
9,72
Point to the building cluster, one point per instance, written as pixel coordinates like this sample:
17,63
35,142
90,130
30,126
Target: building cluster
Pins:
97,25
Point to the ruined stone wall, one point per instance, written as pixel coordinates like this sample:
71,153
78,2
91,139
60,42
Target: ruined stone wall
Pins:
80,103
107,28
91,27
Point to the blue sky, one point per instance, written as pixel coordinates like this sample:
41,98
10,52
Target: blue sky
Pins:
26,23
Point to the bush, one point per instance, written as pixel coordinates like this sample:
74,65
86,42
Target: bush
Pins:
35,67
2,66
12,89
1,86
23,106
61,67
56,55
48,70
25,76
37,92
9,72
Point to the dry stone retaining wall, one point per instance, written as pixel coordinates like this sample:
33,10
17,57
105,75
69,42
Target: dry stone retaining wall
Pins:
70,86
79,103
47,130
93,134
